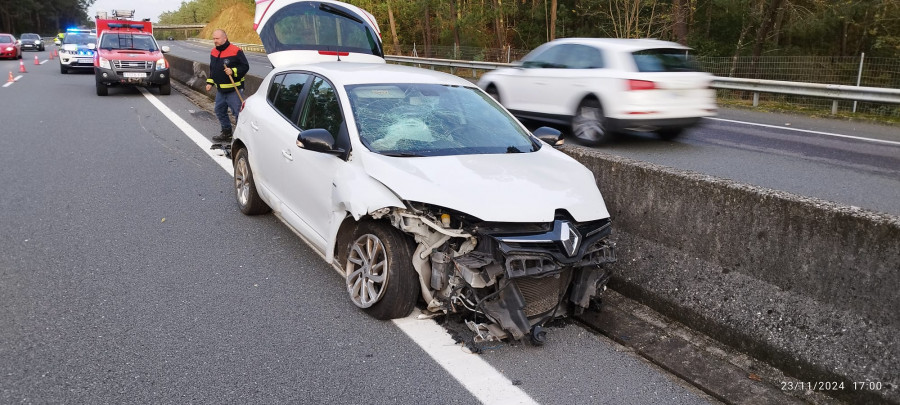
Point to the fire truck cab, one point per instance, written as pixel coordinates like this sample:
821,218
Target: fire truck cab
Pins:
128,55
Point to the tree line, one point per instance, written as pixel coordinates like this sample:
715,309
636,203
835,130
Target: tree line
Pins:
44,17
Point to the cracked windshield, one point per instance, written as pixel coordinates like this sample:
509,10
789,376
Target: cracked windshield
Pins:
433,120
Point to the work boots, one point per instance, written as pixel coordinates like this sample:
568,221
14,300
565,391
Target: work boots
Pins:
224,136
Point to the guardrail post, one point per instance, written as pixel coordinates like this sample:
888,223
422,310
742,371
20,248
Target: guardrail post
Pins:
834,106
756,99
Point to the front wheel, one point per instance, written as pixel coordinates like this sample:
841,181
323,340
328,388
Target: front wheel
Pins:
589,124
165,89
63,69
379,274
102,90
245,187
494,93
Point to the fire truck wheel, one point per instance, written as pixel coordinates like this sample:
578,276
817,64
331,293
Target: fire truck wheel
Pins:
102,90
165,89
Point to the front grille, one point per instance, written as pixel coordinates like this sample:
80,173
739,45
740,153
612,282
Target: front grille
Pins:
540,294
133,64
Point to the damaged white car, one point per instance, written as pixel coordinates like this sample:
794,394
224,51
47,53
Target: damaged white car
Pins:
416,185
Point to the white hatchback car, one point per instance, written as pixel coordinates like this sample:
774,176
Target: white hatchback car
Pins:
414,184
599,86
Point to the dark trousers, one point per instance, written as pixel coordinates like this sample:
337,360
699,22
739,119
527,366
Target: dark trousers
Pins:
224,101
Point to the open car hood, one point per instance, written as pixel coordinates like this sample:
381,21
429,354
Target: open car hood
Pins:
514,187
307,31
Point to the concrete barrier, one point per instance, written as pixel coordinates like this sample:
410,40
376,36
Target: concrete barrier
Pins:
809,286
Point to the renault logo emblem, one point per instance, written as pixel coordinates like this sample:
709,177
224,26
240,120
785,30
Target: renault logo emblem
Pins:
569,237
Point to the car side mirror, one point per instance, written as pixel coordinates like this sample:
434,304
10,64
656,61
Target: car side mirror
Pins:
549,135
318,140
165,49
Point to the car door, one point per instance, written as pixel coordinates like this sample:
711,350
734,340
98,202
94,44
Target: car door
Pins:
274,132
563,76
311,174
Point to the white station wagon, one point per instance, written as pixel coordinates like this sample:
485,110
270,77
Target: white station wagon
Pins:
600,86
415,185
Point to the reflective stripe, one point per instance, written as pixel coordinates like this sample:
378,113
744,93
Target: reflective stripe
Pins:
229,85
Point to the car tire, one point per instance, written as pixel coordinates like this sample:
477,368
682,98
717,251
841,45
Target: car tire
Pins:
102,90
493,92
63,69
379,274
165,89
669,134
245,186
589,125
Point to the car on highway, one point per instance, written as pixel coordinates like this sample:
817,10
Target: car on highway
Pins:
415,185
77,50
31,41
10,47
597,87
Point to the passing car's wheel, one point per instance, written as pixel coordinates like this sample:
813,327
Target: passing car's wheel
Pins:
669,133
102,90
245,187
493,92
165,89
64,70
379,273
589,123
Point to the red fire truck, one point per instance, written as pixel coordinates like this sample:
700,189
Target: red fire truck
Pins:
128,55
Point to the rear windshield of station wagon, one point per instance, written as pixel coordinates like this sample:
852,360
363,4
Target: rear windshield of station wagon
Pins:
664,60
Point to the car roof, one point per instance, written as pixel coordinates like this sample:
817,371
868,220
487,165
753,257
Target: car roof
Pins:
622,44
350,73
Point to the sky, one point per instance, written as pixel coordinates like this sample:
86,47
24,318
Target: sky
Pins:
142,9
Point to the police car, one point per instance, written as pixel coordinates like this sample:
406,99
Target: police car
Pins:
77,50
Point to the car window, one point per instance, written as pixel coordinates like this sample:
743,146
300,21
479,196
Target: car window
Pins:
31,36
6,39
321,108
127,41
433,120
551,58
664,60
285,93
582,57
319,26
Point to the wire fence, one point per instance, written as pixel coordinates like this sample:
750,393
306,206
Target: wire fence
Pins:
845,70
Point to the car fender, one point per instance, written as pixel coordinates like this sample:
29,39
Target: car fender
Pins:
356,194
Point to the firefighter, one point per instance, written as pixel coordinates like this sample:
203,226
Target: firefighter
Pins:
227,67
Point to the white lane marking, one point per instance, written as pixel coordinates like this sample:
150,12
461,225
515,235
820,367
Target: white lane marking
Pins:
476,375
808,131
44,61
191,133
15,79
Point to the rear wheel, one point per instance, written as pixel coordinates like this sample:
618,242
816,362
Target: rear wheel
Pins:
589,124
669,134
165,89
379,274
245,187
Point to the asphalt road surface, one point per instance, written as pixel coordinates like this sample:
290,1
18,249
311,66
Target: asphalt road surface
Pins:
130,276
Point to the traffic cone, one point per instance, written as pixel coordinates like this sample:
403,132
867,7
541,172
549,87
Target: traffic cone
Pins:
11,78
22,66
51,54
36,61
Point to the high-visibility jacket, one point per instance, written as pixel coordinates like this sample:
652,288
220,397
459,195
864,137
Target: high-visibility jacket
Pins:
233,57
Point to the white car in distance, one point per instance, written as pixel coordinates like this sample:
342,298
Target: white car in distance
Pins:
601,86
415,185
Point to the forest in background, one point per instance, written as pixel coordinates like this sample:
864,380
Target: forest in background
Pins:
712,27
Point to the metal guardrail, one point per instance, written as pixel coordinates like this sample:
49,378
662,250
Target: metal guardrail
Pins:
827,91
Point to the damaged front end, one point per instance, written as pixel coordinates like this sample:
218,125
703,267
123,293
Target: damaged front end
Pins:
514,277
